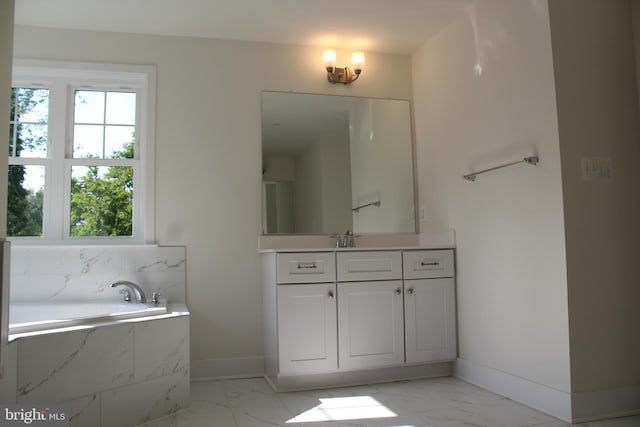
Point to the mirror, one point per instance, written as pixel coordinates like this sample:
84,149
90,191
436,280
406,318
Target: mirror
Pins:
335,163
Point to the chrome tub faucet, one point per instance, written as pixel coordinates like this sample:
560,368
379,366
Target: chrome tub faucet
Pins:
132,287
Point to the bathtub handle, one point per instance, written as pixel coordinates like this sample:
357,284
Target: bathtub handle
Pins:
127,294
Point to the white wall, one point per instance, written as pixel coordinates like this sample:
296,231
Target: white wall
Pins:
6,49
598,116
208,157
484,95
6,52
278,168
635,21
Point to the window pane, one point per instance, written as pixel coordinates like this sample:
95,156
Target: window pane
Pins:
89,107
31,105
101,201
12,140
28,122
100,133
121,108
87,141
118,142
32,140
25,195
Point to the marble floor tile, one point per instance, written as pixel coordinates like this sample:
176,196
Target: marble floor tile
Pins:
438,402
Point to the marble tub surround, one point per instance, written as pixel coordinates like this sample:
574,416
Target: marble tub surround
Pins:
443,239
118,375
106,372
85,273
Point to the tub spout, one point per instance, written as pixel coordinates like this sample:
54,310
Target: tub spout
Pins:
137,291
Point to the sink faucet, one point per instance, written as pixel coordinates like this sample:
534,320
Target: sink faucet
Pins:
137,291
346,241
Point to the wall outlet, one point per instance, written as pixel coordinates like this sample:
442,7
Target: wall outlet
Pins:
597,169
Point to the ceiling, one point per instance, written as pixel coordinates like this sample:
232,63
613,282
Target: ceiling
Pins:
385,26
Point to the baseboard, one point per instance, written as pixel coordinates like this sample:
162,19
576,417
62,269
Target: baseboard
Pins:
602,404
241,367
349,378
545,399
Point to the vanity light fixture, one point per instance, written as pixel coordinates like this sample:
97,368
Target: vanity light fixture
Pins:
343,75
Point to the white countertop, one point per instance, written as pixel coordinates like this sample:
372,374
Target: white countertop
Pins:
366,242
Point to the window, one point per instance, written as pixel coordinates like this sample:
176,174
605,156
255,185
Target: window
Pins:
81,153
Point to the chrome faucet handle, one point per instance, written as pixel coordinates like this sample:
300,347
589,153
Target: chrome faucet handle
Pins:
154,298
127,294
131,287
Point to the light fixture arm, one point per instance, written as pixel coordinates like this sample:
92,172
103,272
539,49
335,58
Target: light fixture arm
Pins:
342,75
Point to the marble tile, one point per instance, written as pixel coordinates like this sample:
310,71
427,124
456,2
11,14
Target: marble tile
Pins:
36,287
139,403
438,402
54,367
208,395
154,259
84,411
616,422
247,390
54,273
261,412
196,418
161,348
8,376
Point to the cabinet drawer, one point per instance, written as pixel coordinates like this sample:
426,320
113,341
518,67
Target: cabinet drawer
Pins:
306,267
428,264
369,265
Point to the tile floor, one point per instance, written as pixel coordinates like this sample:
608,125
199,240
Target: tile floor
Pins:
439,402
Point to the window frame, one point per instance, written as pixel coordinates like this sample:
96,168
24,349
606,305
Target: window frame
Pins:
63,79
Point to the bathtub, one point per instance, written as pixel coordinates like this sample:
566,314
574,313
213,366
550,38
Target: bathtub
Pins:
93,357
28,318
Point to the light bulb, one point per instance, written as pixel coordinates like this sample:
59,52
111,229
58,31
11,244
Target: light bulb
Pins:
329,58
357,61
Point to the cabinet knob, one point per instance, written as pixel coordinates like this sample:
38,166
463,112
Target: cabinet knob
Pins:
410,291
398,291
330,294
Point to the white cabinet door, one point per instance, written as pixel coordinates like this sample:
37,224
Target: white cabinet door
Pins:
430,320
307,328
371,324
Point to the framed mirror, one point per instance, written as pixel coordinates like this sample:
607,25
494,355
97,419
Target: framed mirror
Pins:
335,163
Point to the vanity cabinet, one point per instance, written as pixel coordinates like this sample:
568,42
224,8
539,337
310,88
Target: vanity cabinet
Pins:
306,312
429,306
339,317
370,309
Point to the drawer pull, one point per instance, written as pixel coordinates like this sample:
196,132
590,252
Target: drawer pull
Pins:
398,291
410,291
429,263
309,265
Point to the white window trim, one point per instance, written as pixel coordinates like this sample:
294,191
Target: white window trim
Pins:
82,74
